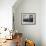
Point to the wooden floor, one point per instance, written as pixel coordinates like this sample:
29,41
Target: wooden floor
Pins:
9,43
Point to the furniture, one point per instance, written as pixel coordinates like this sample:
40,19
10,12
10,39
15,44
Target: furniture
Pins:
18,39
8,35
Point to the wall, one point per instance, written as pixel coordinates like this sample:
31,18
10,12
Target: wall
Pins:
29,31
43,22
6,13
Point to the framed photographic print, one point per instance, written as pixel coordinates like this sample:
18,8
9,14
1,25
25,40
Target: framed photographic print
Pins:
28,18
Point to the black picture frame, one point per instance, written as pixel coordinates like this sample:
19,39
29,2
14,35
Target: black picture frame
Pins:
28,18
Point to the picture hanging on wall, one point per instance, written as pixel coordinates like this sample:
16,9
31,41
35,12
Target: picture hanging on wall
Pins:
28,18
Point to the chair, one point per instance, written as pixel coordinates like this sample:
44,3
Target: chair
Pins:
18,39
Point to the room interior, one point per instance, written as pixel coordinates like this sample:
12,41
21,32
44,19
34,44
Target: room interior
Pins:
22,23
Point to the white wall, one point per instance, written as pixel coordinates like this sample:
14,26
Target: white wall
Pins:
6,13
43,22
30,31
38,31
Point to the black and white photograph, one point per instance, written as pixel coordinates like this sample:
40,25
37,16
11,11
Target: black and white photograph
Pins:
28,18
